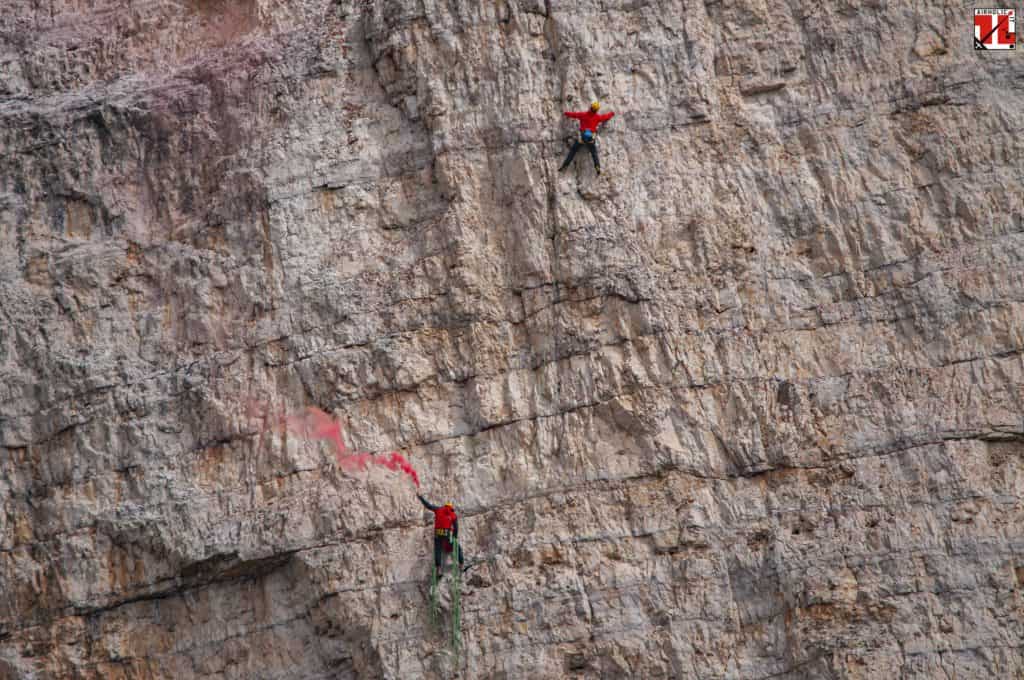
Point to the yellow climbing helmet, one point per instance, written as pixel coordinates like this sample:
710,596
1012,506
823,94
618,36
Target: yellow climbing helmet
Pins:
449,504
595,105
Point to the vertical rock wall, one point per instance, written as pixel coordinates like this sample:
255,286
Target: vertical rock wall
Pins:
748,406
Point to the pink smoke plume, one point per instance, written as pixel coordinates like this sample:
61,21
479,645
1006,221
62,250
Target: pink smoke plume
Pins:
315,425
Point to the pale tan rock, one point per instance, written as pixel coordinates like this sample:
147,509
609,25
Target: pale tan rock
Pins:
747,406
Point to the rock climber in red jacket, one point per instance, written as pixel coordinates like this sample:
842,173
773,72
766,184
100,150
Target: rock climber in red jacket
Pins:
446,531
589,120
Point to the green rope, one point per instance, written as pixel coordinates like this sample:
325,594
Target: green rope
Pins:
456,637
455,588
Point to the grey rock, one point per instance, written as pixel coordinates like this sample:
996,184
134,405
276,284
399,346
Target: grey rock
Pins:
747,406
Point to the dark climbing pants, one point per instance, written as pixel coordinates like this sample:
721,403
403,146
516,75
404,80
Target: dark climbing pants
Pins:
576,147
442,546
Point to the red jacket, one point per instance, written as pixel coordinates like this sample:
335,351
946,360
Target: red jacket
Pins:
589,120
445,518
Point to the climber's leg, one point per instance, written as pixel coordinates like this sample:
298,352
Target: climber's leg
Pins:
593,154
439,554
572,154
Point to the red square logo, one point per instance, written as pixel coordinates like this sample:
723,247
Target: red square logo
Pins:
995,29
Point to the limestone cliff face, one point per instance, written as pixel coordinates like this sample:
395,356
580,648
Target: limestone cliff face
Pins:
749,406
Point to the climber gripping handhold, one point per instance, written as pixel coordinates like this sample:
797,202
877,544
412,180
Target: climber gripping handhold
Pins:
589,121
446,533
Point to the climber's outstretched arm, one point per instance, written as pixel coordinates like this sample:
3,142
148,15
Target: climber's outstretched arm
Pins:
427,505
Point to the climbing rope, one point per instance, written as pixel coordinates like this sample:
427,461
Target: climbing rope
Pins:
456,637
455,590
556,270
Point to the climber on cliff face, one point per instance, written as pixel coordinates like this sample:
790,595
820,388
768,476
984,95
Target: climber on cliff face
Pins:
446,532
589,120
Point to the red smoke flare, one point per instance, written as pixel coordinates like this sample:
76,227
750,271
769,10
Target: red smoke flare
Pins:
315,425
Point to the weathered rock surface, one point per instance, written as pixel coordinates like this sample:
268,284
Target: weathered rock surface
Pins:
751,407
